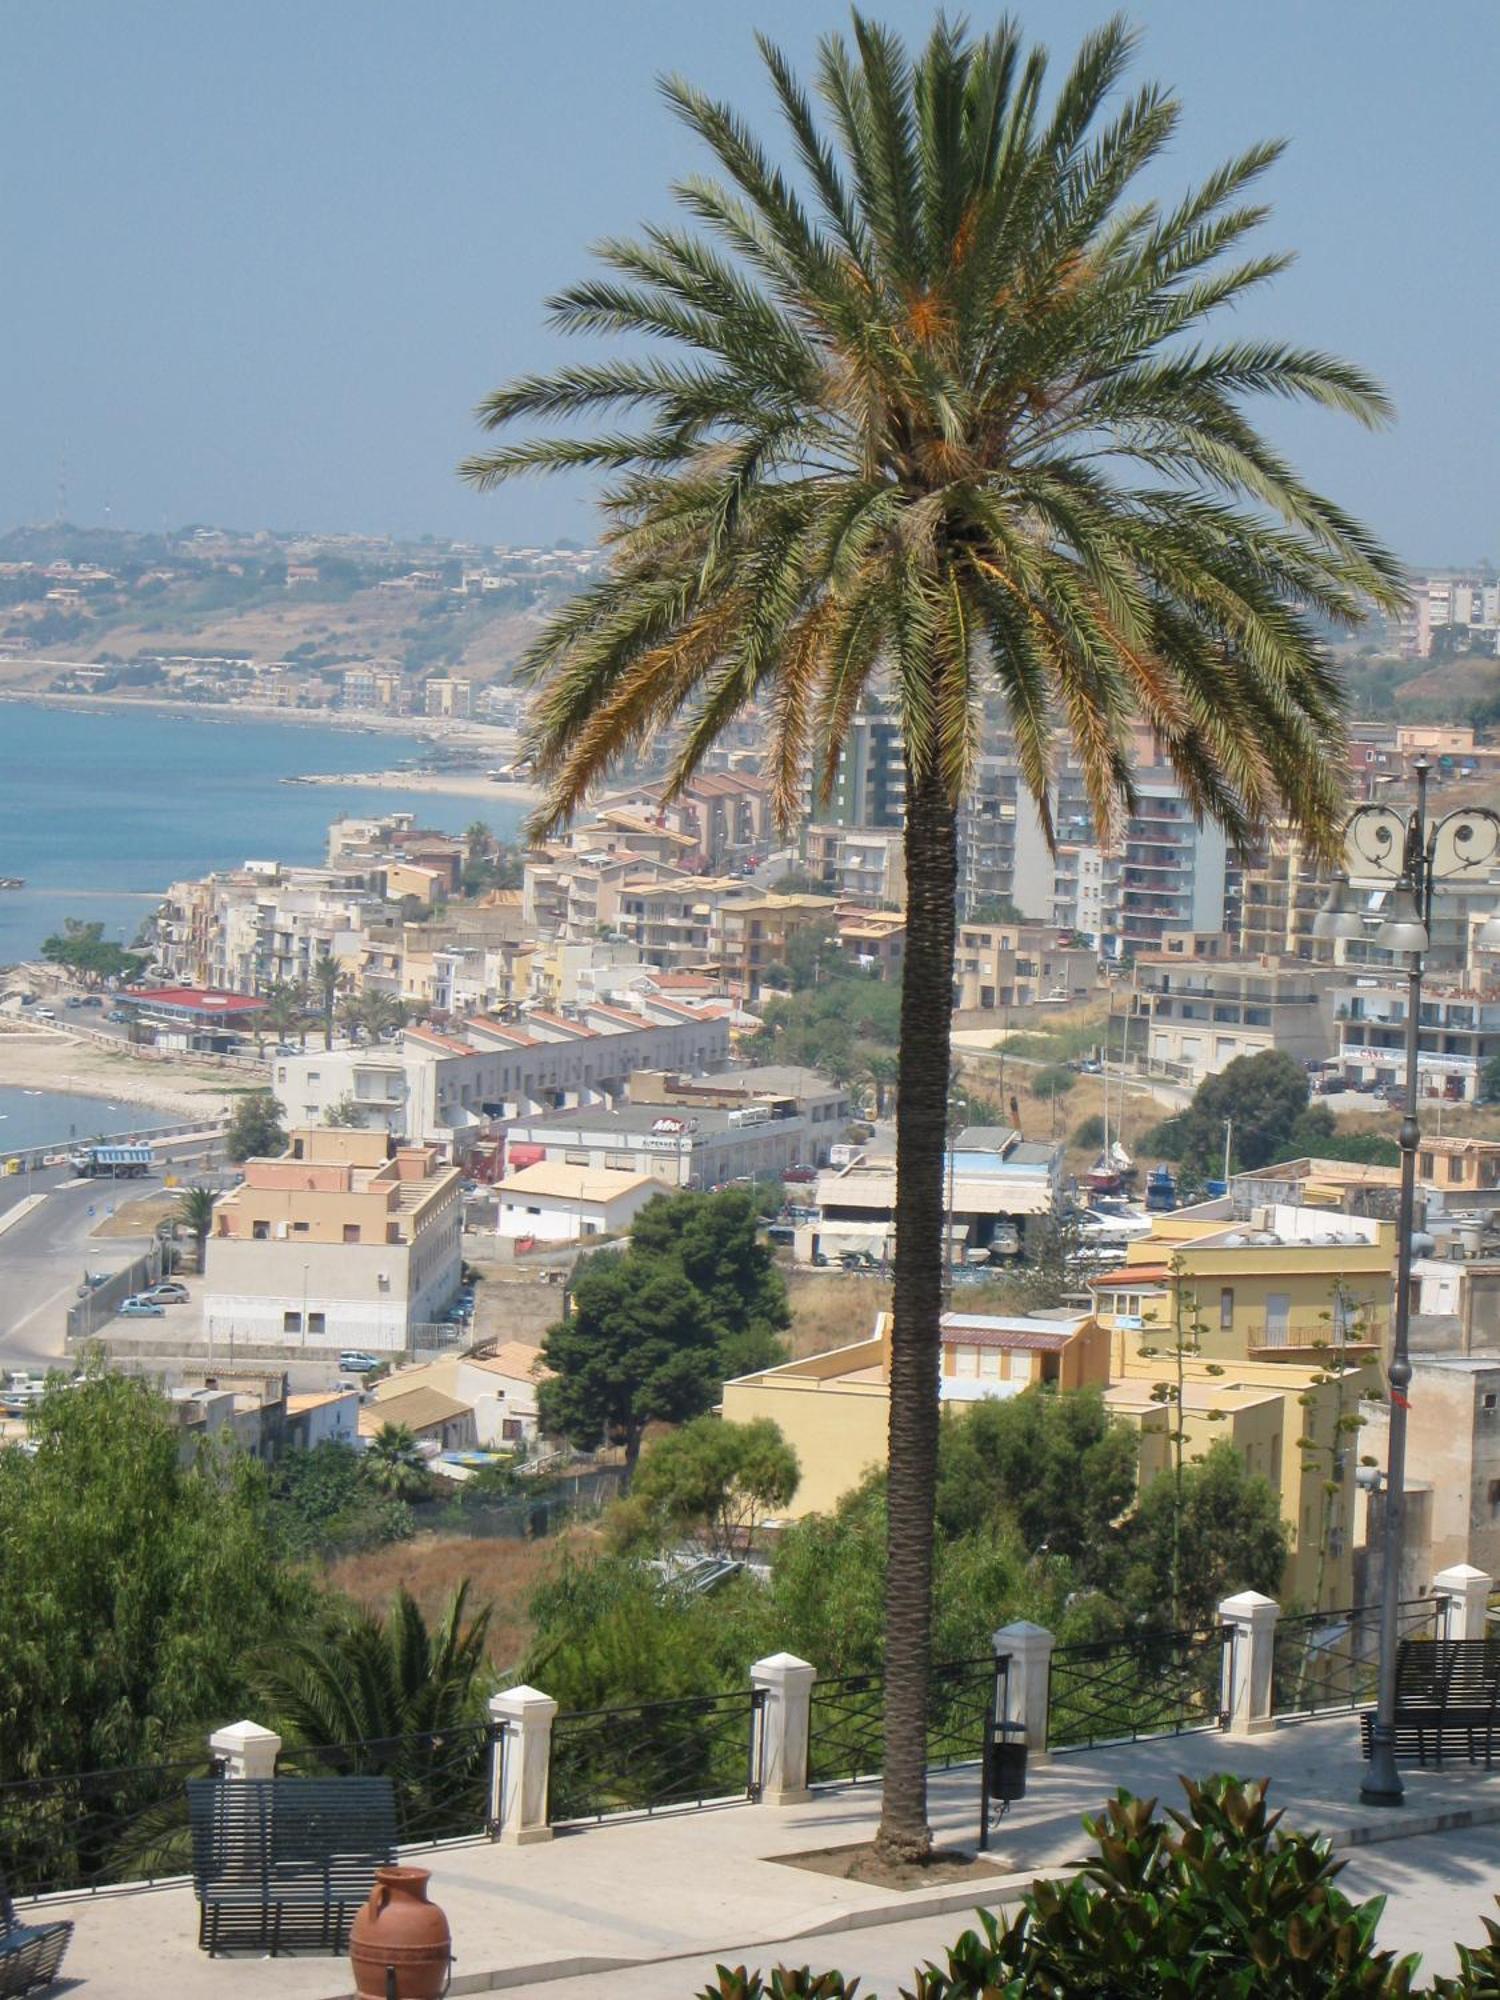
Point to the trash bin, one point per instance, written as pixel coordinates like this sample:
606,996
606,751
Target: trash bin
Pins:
1007,1762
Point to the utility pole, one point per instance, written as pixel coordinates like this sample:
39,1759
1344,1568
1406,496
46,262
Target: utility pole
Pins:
1228,1137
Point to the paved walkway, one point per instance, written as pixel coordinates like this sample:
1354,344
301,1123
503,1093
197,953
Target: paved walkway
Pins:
688,1887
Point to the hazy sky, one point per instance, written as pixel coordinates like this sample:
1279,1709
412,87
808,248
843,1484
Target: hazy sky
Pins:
261,260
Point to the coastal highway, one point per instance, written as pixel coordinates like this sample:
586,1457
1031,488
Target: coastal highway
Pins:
45,1251
43,1256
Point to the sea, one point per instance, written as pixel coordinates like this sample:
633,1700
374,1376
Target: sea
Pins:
101,809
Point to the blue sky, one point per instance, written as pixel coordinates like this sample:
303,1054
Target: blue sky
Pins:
261,260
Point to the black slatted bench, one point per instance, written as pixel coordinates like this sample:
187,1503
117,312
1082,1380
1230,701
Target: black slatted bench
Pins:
1447,1700
282,1864
30,1954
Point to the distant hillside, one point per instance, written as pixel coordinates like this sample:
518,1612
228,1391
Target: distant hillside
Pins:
323,603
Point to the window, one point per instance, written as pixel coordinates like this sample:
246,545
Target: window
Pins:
317,1323
300,1228
1489,1401
291,1322
351,1231
1278,1316
260,1231
1424,1165
1455,1169
1226,1309
1495,1496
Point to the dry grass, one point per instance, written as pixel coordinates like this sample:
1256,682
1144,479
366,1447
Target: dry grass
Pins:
829,1311
500,1573
139,1218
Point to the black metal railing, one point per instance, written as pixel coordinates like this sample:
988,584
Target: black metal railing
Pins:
91,1829
846,1720
441,1779
1152,1684
653,1755
1331,1659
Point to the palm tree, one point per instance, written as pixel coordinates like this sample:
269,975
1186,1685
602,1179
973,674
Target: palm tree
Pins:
380,1013
327,978
286,1007
394,1464
389,1697
197,1211
937,428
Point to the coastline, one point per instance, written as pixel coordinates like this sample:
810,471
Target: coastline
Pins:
439,729
456,784
41,1059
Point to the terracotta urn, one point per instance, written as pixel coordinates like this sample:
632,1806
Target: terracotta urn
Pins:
398,1931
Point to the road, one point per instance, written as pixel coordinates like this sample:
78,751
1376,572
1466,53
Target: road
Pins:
43,1256
45,1252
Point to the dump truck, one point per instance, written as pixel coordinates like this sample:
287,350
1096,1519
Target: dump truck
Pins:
112,1162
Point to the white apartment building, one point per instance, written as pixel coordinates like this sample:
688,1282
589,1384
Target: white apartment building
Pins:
452,1089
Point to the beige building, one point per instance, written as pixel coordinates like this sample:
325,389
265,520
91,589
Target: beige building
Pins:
1202,1015
344,1241
1452,1464
440,1422
1020,965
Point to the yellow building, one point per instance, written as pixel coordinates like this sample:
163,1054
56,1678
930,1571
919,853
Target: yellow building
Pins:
834,1409
1263,1409
1281,1287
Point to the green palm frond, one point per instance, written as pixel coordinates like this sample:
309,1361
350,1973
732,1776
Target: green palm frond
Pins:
940,406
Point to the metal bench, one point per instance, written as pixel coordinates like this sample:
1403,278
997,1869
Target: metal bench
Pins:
280,1864
30,1954
1447,1700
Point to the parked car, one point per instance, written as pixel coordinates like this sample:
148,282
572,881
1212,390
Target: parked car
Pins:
168,1293
91,1000
72,1001
142,1308
46,1013
353,1361
117,1014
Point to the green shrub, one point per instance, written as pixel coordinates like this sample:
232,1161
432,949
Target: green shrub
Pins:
1088,1132
1054,1082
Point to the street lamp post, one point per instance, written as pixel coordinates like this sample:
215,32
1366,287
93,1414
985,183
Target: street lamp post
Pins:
1411,859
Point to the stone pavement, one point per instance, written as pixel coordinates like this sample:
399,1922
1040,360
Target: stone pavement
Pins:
689,1886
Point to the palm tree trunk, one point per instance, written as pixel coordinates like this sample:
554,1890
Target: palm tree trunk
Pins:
931,844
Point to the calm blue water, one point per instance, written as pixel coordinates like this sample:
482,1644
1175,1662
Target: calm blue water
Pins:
100,811
40,1117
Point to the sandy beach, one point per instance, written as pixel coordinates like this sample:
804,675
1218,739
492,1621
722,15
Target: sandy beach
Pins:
38,1059
450,784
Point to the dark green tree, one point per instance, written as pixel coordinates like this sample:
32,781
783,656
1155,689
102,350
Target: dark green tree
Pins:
388,1697
715,1241
323,1502
394,1465
1055,1464
134,1586
255,1131
637,1347
197,1212
327,980
1260,1099
721,1480
1230,1532
944,420
82,949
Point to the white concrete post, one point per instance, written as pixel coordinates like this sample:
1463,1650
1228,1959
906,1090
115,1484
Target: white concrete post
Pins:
1248,1656
520,1765
787,1683
1466,1614
247,1750
1028,1681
